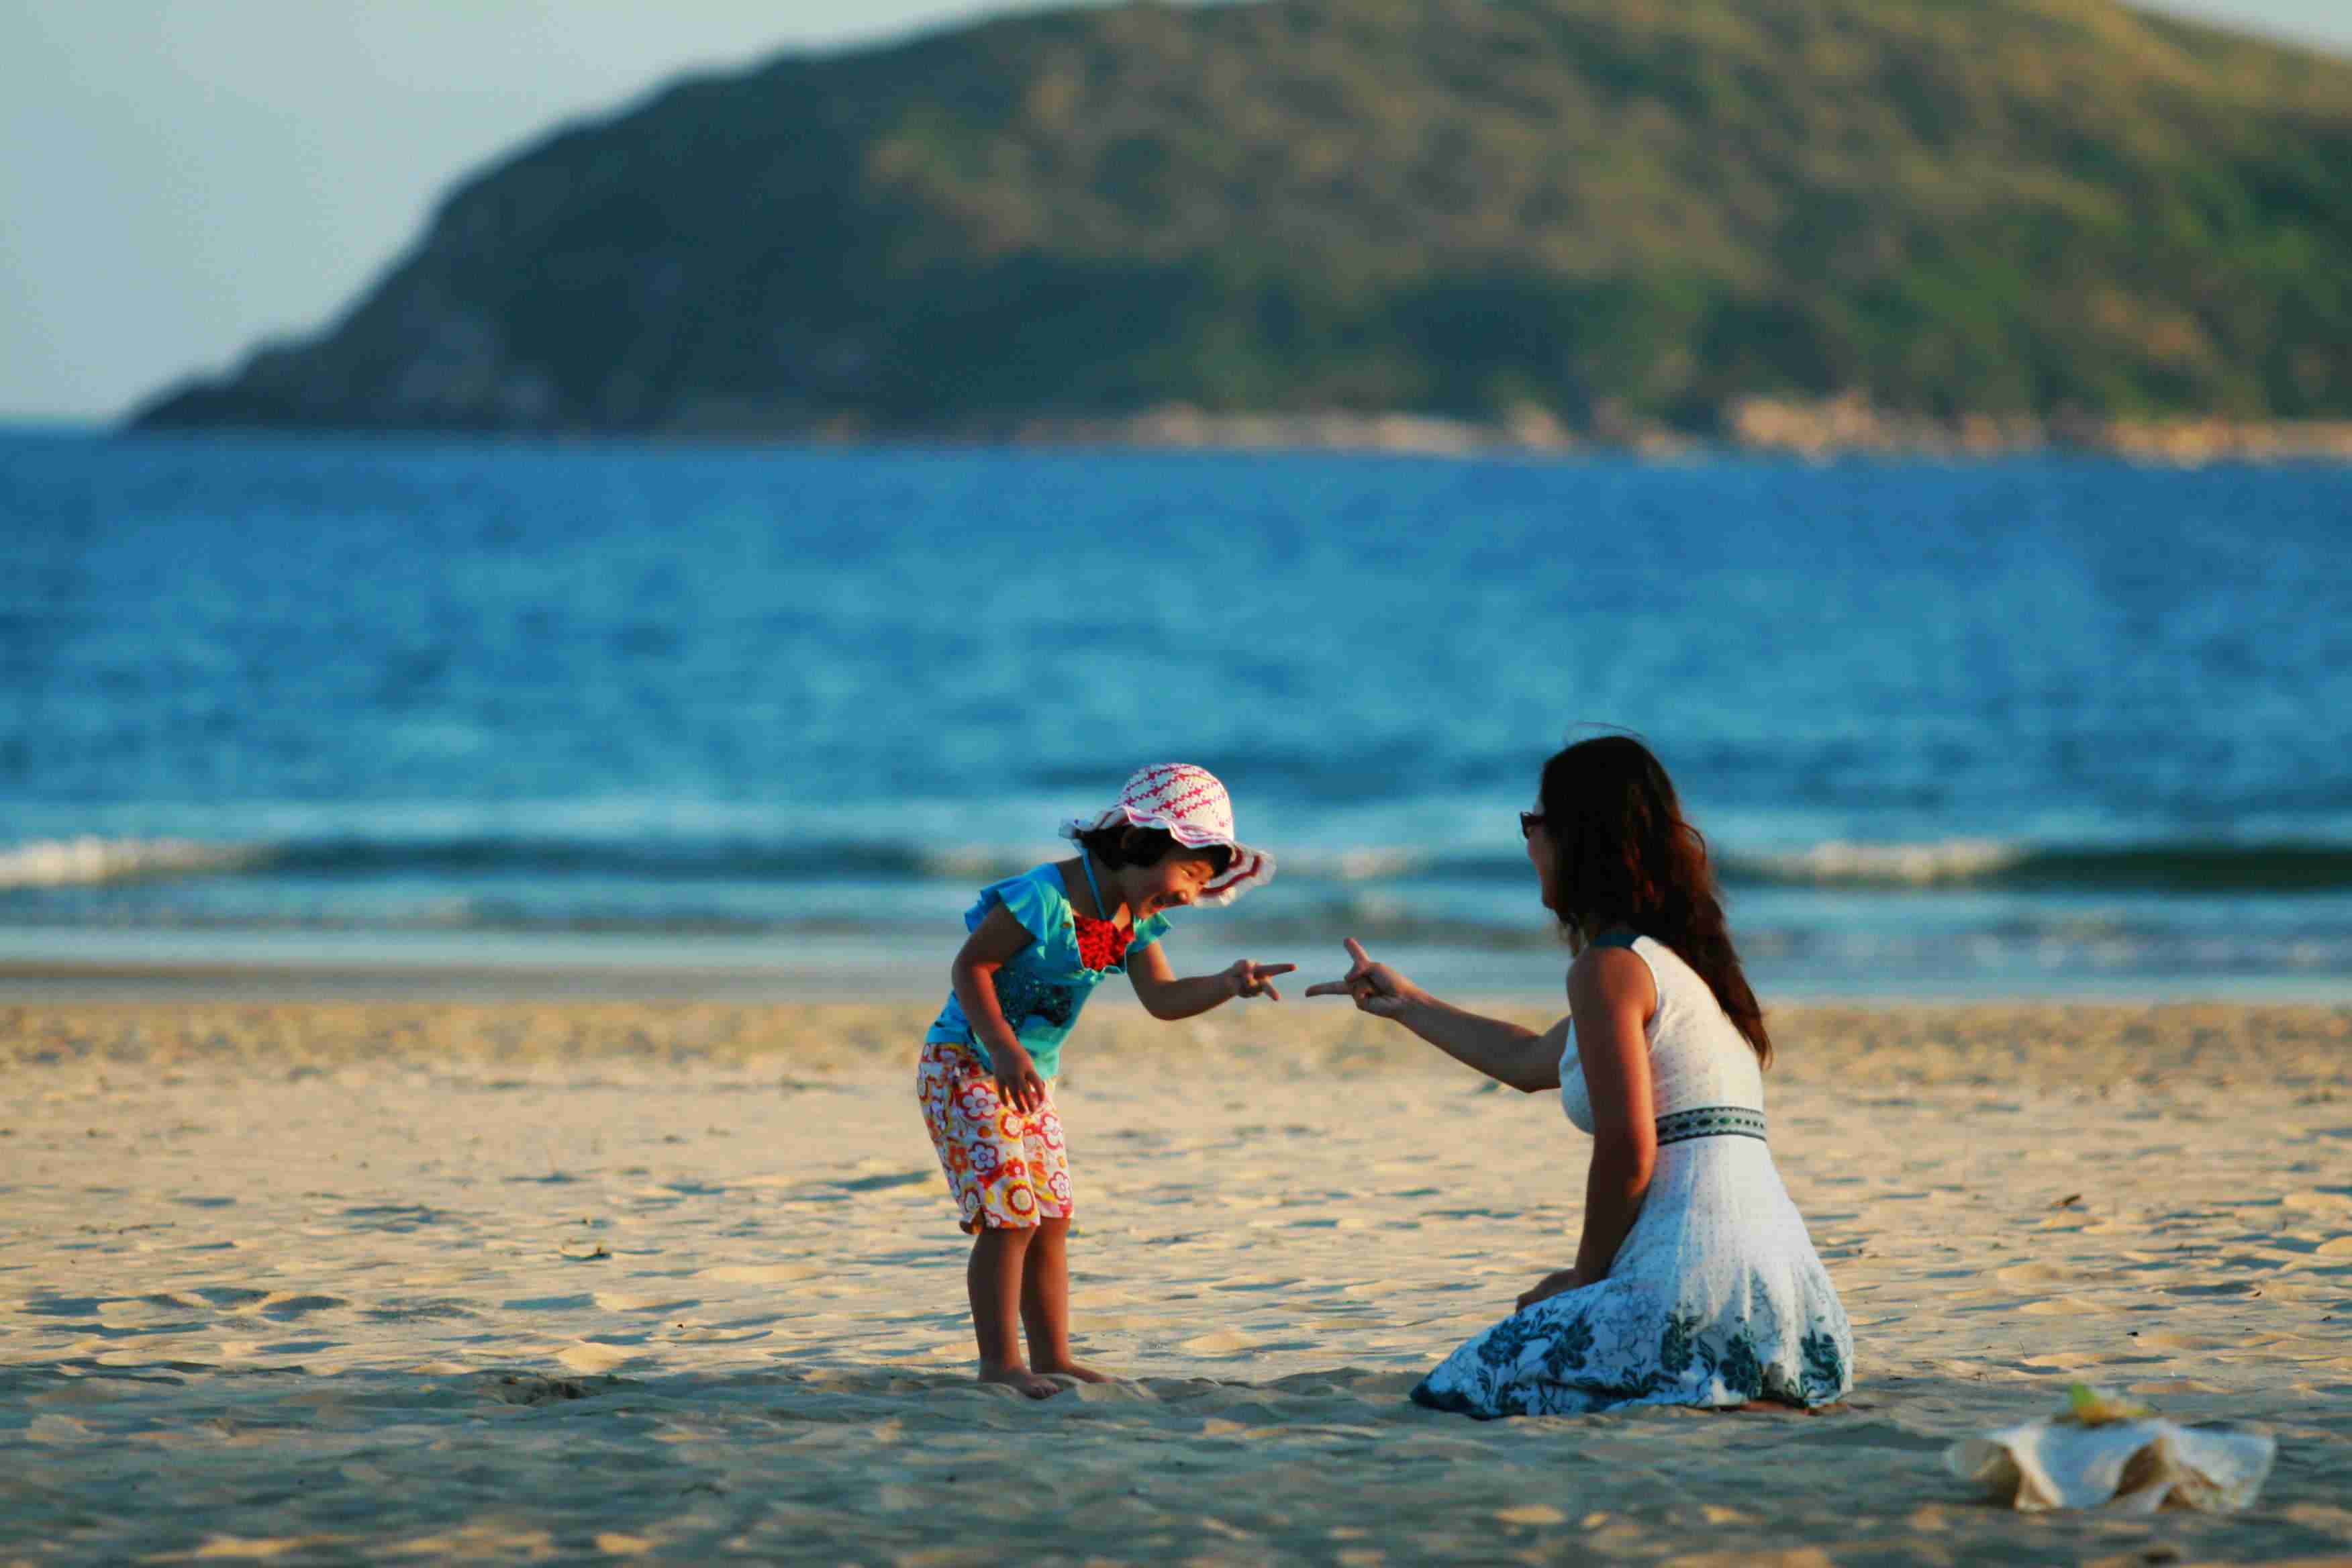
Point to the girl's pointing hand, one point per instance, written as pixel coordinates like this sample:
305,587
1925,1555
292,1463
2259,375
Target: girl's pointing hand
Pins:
1376,988
1256,979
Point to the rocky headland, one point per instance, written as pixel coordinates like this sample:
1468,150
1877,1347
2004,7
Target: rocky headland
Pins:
1810,226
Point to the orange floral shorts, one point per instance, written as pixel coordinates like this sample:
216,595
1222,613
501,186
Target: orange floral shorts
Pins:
1007,1169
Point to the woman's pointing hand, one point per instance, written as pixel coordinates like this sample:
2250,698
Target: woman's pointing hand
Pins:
1375,987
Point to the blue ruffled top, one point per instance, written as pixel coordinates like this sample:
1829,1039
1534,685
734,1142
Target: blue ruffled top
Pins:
1042,987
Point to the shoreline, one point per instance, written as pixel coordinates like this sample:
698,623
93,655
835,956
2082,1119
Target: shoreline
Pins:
58,981
1814,430
2087,1047
1817,430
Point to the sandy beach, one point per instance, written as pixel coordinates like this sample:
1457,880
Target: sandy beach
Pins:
424,1280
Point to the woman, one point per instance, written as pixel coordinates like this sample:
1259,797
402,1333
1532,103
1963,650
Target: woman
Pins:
1695,1282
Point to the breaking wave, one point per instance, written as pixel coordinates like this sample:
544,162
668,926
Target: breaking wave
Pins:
81,862
2185,867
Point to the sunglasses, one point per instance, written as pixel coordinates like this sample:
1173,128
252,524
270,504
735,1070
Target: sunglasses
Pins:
1528,822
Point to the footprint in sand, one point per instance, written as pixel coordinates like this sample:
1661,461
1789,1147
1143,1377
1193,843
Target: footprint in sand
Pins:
419,1309
691,1333
2323,1200
2165,1339
299,1347
579,1303
2040,1274
2061,1307
757,1273
231,1296
883,1183
613,1301
594,1356
530,1388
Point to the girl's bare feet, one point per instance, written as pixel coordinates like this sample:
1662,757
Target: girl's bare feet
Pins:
1072,1369
1022,1379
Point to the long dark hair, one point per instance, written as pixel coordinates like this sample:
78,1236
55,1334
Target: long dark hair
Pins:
1624,856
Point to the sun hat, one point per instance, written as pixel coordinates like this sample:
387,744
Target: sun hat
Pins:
1191,807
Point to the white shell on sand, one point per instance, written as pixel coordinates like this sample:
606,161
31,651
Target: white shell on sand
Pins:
2137,1466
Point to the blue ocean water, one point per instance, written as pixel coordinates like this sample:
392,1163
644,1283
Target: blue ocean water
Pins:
2039,725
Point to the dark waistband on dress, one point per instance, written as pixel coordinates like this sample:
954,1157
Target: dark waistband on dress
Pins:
1710,1122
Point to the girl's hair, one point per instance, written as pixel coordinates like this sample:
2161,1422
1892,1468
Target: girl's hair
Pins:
1128,845
1624,856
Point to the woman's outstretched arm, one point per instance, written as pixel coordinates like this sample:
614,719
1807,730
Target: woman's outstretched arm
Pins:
1507,1053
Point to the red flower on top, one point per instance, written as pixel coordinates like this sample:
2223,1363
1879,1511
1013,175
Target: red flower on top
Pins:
1101,945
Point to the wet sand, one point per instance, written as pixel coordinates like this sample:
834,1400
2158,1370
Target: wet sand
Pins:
409,1281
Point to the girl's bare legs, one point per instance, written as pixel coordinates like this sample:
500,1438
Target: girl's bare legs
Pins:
1046,1303
994,1276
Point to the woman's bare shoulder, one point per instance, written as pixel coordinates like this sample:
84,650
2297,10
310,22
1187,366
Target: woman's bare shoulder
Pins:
1612,978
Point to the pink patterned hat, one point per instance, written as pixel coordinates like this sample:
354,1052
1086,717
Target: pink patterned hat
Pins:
1191,807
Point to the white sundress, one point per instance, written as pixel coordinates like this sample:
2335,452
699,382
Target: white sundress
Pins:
1716,1296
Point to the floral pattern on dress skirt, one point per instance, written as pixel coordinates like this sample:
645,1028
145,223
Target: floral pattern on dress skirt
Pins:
1716,1298
1005,1169
1617,1343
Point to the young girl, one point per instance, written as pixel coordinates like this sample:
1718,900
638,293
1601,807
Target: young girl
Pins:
1040,943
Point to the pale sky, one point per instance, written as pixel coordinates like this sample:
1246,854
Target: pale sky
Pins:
180,178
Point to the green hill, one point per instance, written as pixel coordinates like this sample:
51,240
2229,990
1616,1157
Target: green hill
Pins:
1616,211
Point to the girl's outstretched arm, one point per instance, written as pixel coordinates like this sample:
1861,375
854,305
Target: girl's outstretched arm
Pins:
1165,996
1507,1053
